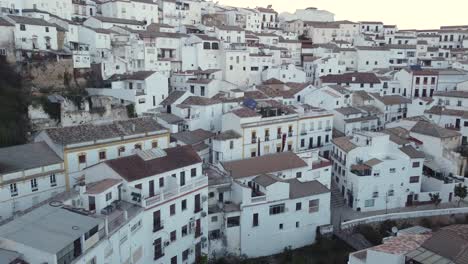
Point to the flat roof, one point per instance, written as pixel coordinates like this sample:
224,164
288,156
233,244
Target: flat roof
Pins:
48,228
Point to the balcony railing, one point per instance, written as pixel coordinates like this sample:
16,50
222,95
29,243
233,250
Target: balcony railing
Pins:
290,133
258,199
167,194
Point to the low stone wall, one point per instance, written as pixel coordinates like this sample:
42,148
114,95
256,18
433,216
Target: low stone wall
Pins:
403,216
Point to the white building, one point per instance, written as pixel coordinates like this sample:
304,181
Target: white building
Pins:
145,89
85,145
30,174
356,81
285,73
33,34
129,9
272,127
173,191
268,197
109,22
60,8
373,173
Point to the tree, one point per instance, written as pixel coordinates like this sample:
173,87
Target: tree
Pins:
435,199
14,101
461,192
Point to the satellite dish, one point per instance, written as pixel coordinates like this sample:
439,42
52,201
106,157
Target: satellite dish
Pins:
394,230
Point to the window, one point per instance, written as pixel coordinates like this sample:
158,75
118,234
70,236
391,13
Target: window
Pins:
197,203
157,224
34,185
46,29
297,224
184,231
23,27
184,205
375,194
416,164
185,254
298,206
174,260
158,253
414,179
182,178
82,158
161,182
392,170
391,192
299,174
206,45
172,209
280,226
102,155
173,236
193,172
108,196
277,209
138,146
154,144
13,190
255,220
314,206
121,150
231,144
53,180
369,203
233,221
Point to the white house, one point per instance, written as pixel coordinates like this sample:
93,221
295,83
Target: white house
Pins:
171,188
285,73
374,174
85,145
145,89
30,174
33,34
356,81
60,8
129,9
268,197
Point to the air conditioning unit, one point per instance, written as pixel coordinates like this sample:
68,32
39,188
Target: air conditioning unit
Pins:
167,243
203,214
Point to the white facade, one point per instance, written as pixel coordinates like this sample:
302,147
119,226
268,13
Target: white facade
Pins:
145,93
373,174
61,8
79,154
285,73
128,9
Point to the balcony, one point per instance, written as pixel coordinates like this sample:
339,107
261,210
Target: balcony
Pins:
303,133
290,133
278,136
254,140
267,138
170,193
361,170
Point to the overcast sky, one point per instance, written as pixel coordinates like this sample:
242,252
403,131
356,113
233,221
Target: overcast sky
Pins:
407,14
